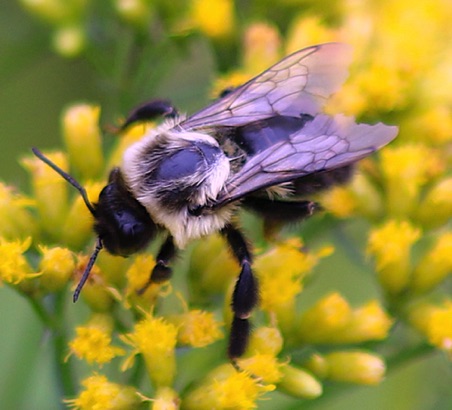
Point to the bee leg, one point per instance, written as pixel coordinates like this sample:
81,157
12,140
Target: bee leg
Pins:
245,296
162,271
149,111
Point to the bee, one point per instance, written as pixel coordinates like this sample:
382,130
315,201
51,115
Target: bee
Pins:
264,146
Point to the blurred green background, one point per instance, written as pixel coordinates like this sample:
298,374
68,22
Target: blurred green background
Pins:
35,85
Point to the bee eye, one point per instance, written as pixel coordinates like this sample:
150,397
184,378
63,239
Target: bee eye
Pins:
195,211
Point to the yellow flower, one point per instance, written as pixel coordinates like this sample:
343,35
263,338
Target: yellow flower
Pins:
83,139
406,169
14,267
306,31
299,383
355,367
391,246
78,227
280,272
261,47
197,328
435,209
266,340
435,266
93,343
368,322
213,17
136,12
435,322
329,315
101,394
50,192
439,331
155,339
226,388
69,40
262,365
340,201
57,266
15,219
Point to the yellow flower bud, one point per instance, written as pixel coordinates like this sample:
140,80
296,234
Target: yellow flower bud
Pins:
264,366
83,139
78,227
355,367
15,219
69,40
50,192
435,266
299,383
136,12
328,316
57,266
267,340
436,208
391,246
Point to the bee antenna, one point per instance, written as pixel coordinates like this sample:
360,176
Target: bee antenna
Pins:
68,178
88,268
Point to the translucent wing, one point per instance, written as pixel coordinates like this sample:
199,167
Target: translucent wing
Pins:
299,84
324,143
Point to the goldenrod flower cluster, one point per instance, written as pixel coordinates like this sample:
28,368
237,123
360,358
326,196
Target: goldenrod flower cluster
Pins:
165,348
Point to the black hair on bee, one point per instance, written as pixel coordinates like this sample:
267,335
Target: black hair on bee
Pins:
265,145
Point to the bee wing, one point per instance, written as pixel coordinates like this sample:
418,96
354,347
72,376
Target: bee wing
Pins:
299,84
325,143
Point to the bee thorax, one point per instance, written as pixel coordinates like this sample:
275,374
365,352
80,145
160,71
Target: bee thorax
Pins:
174,175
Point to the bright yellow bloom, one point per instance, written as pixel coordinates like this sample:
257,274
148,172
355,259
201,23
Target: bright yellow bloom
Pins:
368,322
15,219
390,245
213,17
355,367
435,322
101,394
155,339
406,169
197,328
280,272
436,208
299,383
329,315
435,266
265,366
50,192
57,266
439,331
14,267
266,340
340,201
82,137
226,388
93,344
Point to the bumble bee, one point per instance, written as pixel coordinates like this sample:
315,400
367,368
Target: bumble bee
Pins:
265,146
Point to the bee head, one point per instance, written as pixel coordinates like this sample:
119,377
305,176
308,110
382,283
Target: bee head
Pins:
122,224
